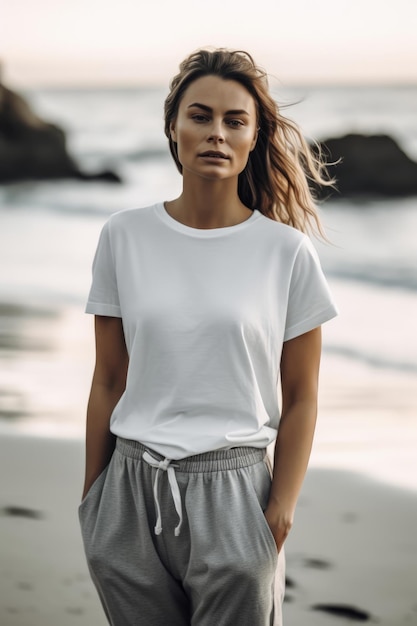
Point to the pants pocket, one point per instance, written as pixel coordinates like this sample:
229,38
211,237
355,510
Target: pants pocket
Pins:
261,482
271,537
94,491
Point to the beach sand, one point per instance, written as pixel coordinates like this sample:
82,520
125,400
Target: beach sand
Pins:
44,579
351,556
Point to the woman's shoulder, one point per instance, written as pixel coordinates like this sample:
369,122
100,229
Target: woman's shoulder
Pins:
280,233
131,216
131,223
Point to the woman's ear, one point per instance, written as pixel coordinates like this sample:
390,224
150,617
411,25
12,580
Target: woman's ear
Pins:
173,132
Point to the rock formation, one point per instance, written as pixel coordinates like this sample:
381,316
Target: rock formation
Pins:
31,148
368,166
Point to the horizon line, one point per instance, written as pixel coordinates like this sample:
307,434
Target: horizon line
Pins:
144,84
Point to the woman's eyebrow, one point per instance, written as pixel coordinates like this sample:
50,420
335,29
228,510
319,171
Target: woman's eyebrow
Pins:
210,110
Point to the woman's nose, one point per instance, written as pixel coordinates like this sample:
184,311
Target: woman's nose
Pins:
216,132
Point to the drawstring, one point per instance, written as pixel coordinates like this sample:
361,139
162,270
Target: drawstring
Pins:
176,496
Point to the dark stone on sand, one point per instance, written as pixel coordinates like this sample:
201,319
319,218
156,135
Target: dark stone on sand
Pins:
348,612
289,583
317,564
74,610
33,149
24,586
371,166
20,511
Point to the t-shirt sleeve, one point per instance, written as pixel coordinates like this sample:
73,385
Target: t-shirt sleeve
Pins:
103,298
310,302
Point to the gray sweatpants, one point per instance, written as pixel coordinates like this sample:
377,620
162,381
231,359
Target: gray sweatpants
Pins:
183,543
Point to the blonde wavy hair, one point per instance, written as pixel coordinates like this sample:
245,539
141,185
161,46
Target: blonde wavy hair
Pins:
275,179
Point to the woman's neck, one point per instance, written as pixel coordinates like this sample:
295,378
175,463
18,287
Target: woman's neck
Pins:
210,206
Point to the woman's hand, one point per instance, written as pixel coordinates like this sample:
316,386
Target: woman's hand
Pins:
280,521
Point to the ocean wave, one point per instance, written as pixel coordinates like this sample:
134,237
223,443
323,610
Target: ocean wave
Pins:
118,156
389,276
374,360
380,261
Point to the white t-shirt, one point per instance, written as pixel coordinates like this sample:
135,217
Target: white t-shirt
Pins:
205,313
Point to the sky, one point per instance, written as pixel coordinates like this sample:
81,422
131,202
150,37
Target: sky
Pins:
123,42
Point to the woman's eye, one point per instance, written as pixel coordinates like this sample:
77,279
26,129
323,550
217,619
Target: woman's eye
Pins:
199,118
235,123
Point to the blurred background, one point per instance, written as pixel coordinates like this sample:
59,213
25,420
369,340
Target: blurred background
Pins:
81,136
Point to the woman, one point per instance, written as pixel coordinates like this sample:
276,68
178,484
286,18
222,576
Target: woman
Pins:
203,304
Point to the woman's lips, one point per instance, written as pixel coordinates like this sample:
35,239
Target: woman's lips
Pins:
213,154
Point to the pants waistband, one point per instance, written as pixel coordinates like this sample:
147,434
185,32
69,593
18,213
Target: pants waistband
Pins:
214,461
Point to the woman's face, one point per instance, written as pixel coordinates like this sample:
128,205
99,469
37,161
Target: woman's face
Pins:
215,129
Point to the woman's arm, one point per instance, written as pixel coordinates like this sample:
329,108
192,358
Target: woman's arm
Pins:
300,364
109,382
